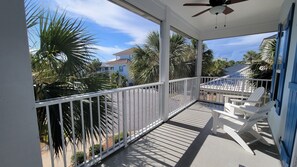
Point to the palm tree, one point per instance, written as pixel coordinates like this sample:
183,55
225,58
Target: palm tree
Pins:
145,63
251,56
263,69
118,80
63,56
207,59
267,51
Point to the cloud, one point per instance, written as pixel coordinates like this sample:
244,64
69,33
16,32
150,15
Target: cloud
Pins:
108,50
107,14
249,40
235,48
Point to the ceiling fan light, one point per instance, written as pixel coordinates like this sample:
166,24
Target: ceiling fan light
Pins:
217,10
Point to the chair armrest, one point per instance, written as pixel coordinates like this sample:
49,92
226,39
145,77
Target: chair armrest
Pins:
245,101
245,109
225,114
234,96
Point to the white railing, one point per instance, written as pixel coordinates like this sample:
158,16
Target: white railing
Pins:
212,89
99,123
132,111
182,92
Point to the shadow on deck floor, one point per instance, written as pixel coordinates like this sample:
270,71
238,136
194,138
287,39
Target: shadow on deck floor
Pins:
186,140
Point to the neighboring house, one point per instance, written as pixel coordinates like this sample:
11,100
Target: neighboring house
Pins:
106,68
238,71
121,64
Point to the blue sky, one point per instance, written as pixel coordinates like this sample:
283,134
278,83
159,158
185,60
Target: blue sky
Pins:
116,29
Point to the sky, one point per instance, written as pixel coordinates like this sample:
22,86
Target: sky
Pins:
115,29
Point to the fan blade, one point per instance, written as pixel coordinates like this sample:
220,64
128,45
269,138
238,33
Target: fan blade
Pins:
228,10
201,12
228,2
196,4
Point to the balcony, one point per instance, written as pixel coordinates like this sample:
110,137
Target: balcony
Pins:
184,140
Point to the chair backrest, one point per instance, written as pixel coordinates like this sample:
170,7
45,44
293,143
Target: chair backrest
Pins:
256,96
260,114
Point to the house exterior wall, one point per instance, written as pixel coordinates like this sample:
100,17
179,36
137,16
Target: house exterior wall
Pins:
124,72
124,57
277,122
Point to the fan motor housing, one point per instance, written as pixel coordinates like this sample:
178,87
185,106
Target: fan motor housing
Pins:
216,2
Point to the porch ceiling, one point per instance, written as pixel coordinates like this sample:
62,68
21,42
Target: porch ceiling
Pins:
249,17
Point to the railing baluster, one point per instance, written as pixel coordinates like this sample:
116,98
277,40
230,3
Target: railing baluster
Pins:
130,118
134,110
112,118
142,113
99,122
138,112
92,128
106,124
50,135
73,132
83,129
118,113
125,131
62,134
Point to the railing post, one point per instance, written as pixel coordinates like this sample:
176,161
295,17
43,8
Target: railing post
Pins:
125,130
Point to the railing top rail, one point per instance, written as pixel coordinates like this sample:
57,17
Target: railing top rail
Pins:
237,78
76,97
182,79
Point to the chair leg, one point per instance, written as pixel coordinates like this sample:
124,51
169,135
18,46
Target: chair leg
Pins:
258,137
238,139
215,117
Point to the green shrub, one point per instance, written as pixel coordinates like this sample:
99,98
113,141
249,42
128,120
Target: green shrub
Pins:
119,137
79,158
96,149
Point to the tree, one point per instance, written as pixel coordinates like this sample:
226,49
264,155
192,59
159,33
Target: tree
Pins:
118,80
251,56
145,63
64,53
94,66
263,69
217,68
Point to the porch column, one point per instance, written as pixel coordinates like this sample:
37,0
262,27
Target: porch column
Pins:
19,137
199,66
164,65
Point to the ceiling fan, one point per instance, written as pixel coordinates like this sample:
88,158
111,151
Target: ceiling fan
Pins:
217,6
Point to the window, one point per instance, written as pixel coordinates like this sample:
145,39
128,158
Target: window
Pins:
280,61
121,68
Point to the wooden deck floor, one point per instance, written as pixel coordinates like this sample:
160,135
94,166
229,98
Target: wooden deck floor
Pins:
186,140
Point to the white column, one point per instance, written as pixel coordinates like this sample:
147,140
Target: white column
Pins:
19,137
164,65
199,65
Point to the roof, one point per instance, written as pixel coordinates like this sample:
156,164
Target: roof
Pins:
126,52
236,68
268,38
120,61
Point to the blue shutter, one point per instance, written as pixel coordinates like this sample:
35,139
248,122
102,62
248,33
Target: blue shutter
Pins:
287,142
288,28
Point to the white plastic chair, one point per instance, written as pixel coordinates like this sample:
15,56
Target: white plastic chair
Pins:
252,100
235,125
